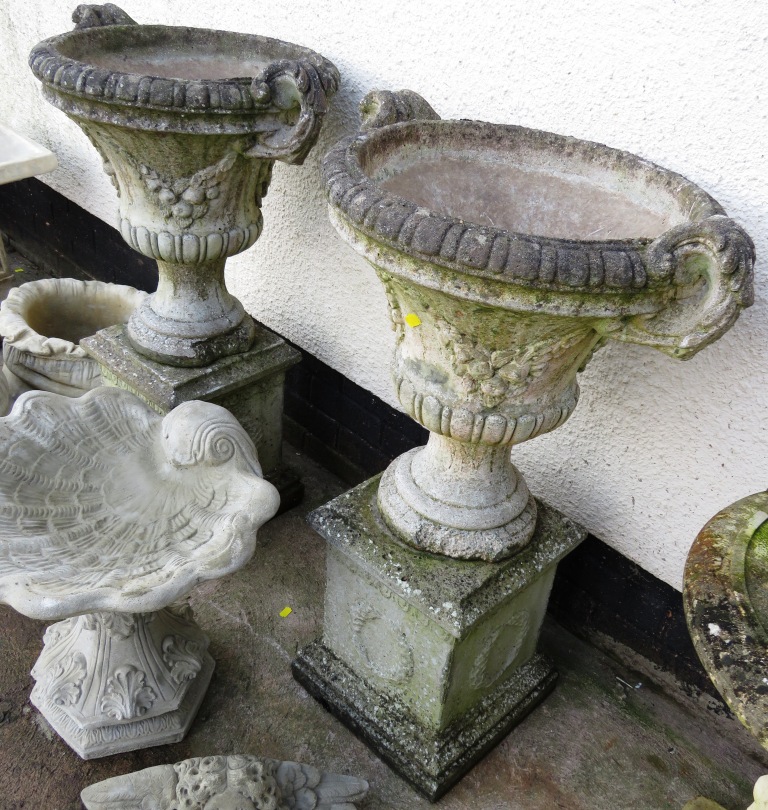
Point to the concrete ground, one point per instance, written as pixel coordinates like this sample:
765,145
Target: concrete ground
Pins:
617,734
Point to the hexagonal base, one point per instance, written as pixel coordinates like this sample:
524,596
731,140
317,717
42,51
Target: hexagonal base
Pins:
114,682
121,737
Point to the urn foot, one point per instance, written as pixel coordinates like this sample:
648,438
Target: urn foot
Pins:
188,345
115,682
490,519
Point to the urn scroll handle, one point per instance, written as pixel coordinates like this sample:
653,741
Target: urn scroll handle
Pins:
94,16
283,85
383,107
709,267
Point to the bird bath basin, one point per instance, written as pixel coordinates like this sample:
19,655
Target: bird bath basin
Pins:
109,513
509,255
189,123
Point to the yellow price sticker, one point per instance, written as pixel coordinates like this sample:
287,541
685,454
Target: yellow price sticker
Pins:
412,319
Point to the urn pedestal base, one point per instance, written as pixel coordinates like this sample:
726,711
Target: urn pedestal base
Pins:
431,660
115,682
249,385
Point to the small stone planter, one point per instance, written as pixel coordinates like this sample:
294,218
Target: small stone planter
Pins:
42,323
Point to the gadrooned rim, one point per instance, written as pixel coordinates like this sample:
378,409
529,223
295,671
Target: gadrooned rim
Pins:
607,265
68,75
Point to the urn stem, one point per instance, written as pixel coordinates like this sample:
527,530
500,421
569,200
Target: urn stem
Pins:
463,474
195,291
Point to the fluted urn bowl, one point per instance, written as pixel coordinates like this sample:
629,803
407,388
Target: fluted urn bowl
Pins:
508,255
189,123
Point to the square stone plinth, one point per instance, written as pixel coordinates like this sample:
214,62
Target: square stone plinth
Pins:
249,385
430,660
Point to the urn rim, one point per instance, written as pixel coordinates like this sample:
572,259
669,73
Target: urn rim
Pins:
63,65
501,254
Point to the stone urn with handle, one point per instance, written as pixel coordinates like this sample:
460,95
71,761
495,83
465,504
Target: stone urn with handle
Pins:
189,123
507,256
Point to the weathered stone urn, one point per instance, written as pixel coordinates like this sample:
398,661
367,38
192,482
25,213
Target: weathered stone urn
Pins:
189,123
42,323
508,256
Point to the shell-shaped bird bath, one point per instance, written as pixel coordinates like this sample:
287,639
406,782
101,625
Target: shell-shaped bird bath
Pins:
108,514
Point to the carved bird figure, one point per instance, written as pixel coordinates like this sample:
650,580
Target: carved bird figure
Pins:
227,783
106,505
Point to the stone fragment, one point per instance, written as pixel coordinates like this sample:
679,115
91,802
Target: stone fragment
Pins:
240,782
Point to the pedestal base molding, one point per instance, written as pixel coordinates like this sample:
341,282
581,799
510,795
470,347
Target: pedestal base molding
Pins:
432,660
432,761
165,341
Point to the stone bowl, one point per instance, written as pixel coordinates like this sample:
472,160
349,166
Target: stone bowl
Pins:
105,505
725,596
42,323
537,223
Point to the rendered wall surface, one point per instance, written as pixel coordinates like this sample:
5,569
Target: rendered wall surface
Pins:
655,446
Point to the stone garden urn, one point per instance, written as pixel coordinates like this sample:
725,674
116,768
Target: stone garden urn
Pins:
42,323
189,123
109,514
508,256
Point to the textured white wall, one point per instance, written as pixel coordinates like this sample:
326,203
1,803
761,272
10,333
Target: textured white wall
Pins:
656,446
